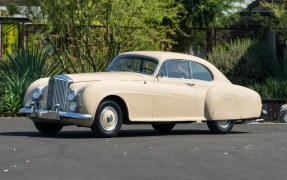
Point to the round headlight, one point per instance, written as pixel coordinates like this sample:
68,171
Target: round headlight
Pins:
71,95
37,93
73,106
28,103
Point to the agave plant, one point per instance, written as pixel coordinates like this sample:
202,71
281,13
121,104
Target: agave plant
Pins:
32,61
15,84
2,107
22,68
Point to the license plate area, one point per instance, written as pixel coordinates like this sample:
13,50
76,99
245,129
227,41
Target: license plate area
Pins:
48,115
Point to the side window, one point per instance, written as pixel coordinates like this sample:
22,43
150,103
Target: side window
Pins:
178,69
200,72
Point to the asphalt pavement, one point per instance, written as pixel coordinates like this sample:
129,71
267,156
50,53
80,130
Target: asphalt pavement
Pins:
251,151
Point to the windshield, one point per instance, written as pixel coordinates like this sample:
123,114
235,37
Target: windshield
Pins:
133,63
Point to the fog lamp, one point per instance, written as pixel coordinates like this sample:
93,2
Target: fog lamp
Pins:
73,106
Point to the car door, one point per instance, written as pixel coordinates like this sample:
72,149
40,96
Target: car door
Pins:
175,97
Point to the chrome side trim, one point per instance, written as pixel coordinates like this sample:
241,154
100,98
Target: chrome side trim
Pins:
46,114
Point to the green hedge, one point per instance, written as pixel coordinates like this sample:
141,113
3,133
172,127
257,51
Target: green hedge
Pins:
244,62
252,64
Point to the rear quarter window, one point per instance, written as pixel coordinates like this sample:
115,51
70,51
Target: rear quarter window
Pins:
201,72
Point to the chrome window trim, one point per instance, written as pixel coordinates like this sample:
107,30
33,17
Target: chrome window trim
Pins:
190,68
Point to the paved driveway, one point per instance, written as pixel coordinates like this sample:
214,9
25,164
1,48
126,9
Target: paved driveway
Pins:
254,151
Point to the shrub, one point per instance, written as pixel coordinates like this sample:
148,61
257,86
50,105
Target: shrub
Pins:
271,88
32,61
14,87
244,62
275,86
22,68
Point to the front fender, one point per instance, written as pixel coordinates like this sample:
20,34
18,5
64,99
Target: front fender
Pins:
41,83
93,94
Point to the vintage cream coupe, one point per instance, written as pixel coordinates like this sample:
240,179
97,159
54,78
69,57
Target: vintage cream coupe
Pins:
161,88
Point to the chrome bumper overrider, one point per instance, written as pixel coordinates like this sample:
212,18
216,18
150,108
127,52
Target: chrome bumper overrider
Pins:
57,115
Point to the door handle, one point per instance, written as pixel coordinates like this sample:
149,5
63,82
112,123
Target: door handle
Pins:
190,84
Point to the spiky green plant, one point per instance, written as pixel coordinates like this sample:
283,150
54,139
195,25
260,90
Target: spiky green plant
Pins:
275,84
2,107
271,88
13,88
32,61
22,68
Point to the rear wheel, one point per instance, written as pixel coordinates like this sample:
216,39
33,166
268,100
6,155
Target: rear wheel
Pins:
48,128
220,127
108,120
163,127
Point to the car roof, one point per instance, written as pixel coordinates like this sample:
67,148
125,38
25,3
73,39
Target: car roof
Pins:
161,55
164,55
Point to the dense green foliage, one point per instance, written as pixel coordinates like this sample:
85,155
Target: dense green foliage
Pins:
244,62
10,36
31,61
275,84
277,20
251,63
22,68
271,88
89,34
208,13
202,14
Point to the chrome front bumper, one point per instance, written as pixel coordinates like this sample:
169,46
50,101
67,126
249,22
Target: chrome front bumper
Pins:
56,115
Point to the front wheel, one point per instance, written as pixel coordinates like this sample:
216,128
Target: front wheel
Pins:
220,127
48,128
108,120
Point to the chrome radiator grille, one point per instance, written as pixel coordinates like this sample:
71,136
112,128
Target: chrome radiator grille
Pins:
57,92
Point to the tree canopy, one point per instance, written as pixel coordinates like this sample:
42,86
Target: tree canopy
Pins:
208,13
89,33
86,34
277,20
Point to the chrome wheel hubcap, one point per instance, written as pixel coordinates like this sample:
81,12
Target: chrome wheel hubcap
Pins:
223,124
109,118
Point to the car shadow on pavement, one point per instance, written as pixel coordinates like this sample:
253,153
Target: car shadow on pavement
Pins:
123,133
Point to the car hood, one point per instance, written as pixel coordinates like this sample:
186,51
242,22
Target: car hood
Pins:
100,76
